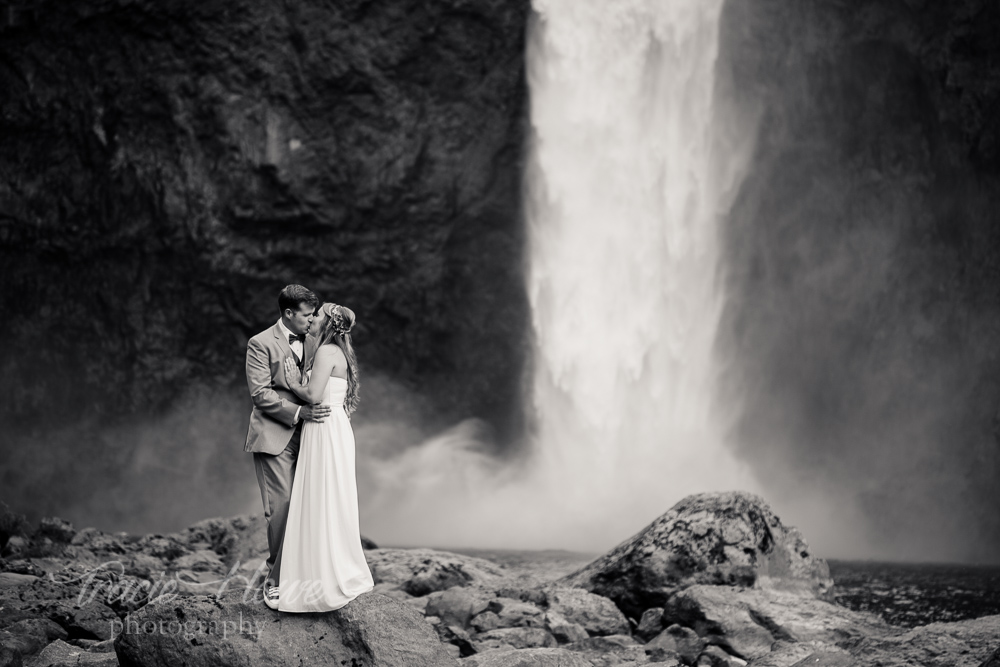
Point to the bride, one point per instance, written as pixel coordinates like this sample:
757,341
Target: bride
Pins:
323,566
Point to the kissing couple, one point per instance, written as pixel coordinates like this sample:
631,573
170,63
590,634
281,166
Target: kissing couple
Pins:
303,381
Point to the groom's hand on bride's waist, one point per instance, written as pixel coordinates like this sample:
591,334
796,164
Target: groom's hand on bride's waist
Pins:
314,413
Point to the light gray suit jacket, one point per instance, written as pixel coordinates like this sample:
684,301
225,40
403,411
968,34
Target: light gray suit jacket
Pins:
272,421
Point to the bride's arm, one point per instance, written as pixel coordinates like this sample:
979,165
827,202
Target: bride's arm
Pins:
322,365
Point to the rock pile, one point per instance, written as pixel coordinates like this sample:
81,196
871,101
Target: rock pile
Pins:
717,581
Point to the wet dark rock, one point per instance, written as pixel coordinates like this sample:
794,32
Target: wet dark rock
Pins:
713,538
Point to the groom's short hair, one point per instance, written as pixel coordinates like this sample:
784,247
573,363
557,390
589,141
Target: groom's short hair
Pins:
293,295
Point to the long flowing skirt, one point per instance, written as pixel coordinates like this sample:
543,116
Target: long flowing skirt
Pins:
323,566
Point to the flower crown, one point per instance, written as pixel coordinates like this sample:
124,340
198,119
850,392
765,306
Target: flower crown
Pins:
337,321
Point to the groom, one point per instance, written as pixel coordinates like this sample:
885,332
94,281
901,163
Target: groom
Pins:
276,420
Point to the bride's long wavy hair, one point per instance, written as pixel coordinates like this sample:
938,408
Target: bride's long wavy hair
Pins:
337,330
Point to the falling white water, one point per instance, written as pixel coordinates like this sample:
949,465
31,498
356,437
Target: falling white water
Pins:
624,252
622,209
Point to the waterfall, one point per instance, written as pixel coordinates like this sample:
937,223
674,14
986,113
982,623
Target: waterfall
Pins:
622,208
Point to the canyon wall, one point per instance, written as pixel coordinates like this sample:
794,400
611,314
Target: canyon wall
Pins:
166,168
863,264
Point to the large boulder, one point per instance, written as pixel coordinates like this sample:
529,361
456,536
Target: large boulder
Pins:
710,538
208,631
960,644
594,613
419,572
457,605
517,614
747,622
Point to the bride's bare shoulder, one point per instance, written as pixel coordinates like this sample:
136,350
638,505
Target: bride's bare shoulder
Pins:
331,350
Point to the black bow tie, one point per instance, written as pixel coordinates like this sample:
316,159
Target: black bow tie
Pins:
300,337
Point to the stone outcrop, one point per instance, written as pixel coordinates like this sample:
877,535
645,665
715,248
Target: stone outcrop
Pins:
731,539
596,614
419,572
204,631
747,622
443,607
959,644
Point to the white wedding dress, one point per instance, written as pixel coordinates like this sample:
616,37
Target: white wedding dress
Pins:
322,565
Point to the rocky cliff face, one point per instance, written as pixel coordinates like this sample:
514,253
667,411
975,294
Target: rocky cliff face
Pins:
863,263
165,168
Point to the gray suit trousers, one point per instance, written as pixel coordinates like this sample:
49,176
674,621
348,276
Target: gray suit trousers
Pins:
275,474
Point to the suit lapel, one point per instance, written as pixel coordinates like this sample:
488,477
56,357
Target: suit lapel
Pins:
282,342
